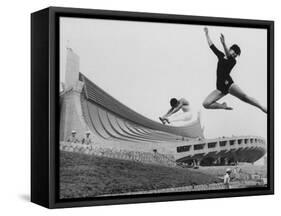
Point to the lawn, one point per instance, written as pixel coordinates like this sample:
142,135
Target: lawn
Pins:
88,176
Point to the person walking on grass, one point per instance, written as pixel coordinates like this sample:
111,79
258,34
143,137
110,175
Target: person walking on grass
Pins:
226,178
225,84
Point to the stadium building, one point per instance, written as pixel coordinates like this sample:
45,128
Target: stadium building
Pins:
119,132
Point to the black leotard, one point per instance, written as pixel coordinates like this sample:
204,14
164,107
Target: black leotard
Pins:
225,65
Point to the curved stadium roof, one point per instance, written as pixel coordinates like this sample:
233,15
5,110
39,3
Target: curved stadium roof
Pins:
96,95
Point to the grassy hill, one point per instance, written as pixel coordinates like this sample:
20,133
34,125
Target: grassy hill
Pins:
87,176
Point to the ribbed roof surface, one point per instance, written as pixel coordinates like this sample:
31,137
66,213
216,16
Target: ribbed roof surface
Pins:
96,95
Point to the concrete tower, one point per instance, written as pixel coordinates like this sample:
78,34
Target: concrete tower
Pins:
72,68
71,117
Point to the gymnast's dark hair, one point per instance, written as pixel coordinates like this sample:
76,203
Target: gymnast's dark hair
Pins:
236,49
173,102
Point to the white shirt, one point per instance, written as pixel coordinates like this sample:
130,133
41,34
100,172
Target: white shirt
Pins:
226,179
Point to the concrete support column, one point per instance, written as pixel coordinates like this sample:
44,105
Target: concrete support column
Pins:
195,162
226,161
218,161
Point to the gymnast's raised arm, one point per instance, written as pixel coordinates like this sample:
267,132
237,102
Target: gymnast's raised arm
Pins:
208,36
226,50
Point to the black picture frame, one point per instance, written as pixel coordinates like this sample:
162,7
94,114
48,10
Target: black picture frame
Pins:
45,105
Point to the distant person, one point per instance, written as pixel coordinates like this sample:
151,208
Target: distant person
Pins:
236,173
72,138
179,112
87,140
225,84
226,178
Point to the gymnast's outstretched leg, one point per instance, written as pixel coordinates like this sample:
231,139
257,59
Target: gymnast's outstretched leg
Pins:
236,91
180,117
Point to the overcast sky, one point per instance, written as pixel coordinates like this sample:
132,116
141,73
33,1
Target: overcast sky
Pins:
144,64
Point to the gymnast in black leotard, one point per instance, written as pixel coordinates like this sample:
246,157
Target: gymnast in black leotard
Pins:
225,84
225,65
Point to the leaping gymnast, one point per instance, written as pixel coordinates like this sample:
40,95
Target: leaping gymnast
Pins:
225,84
174,115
